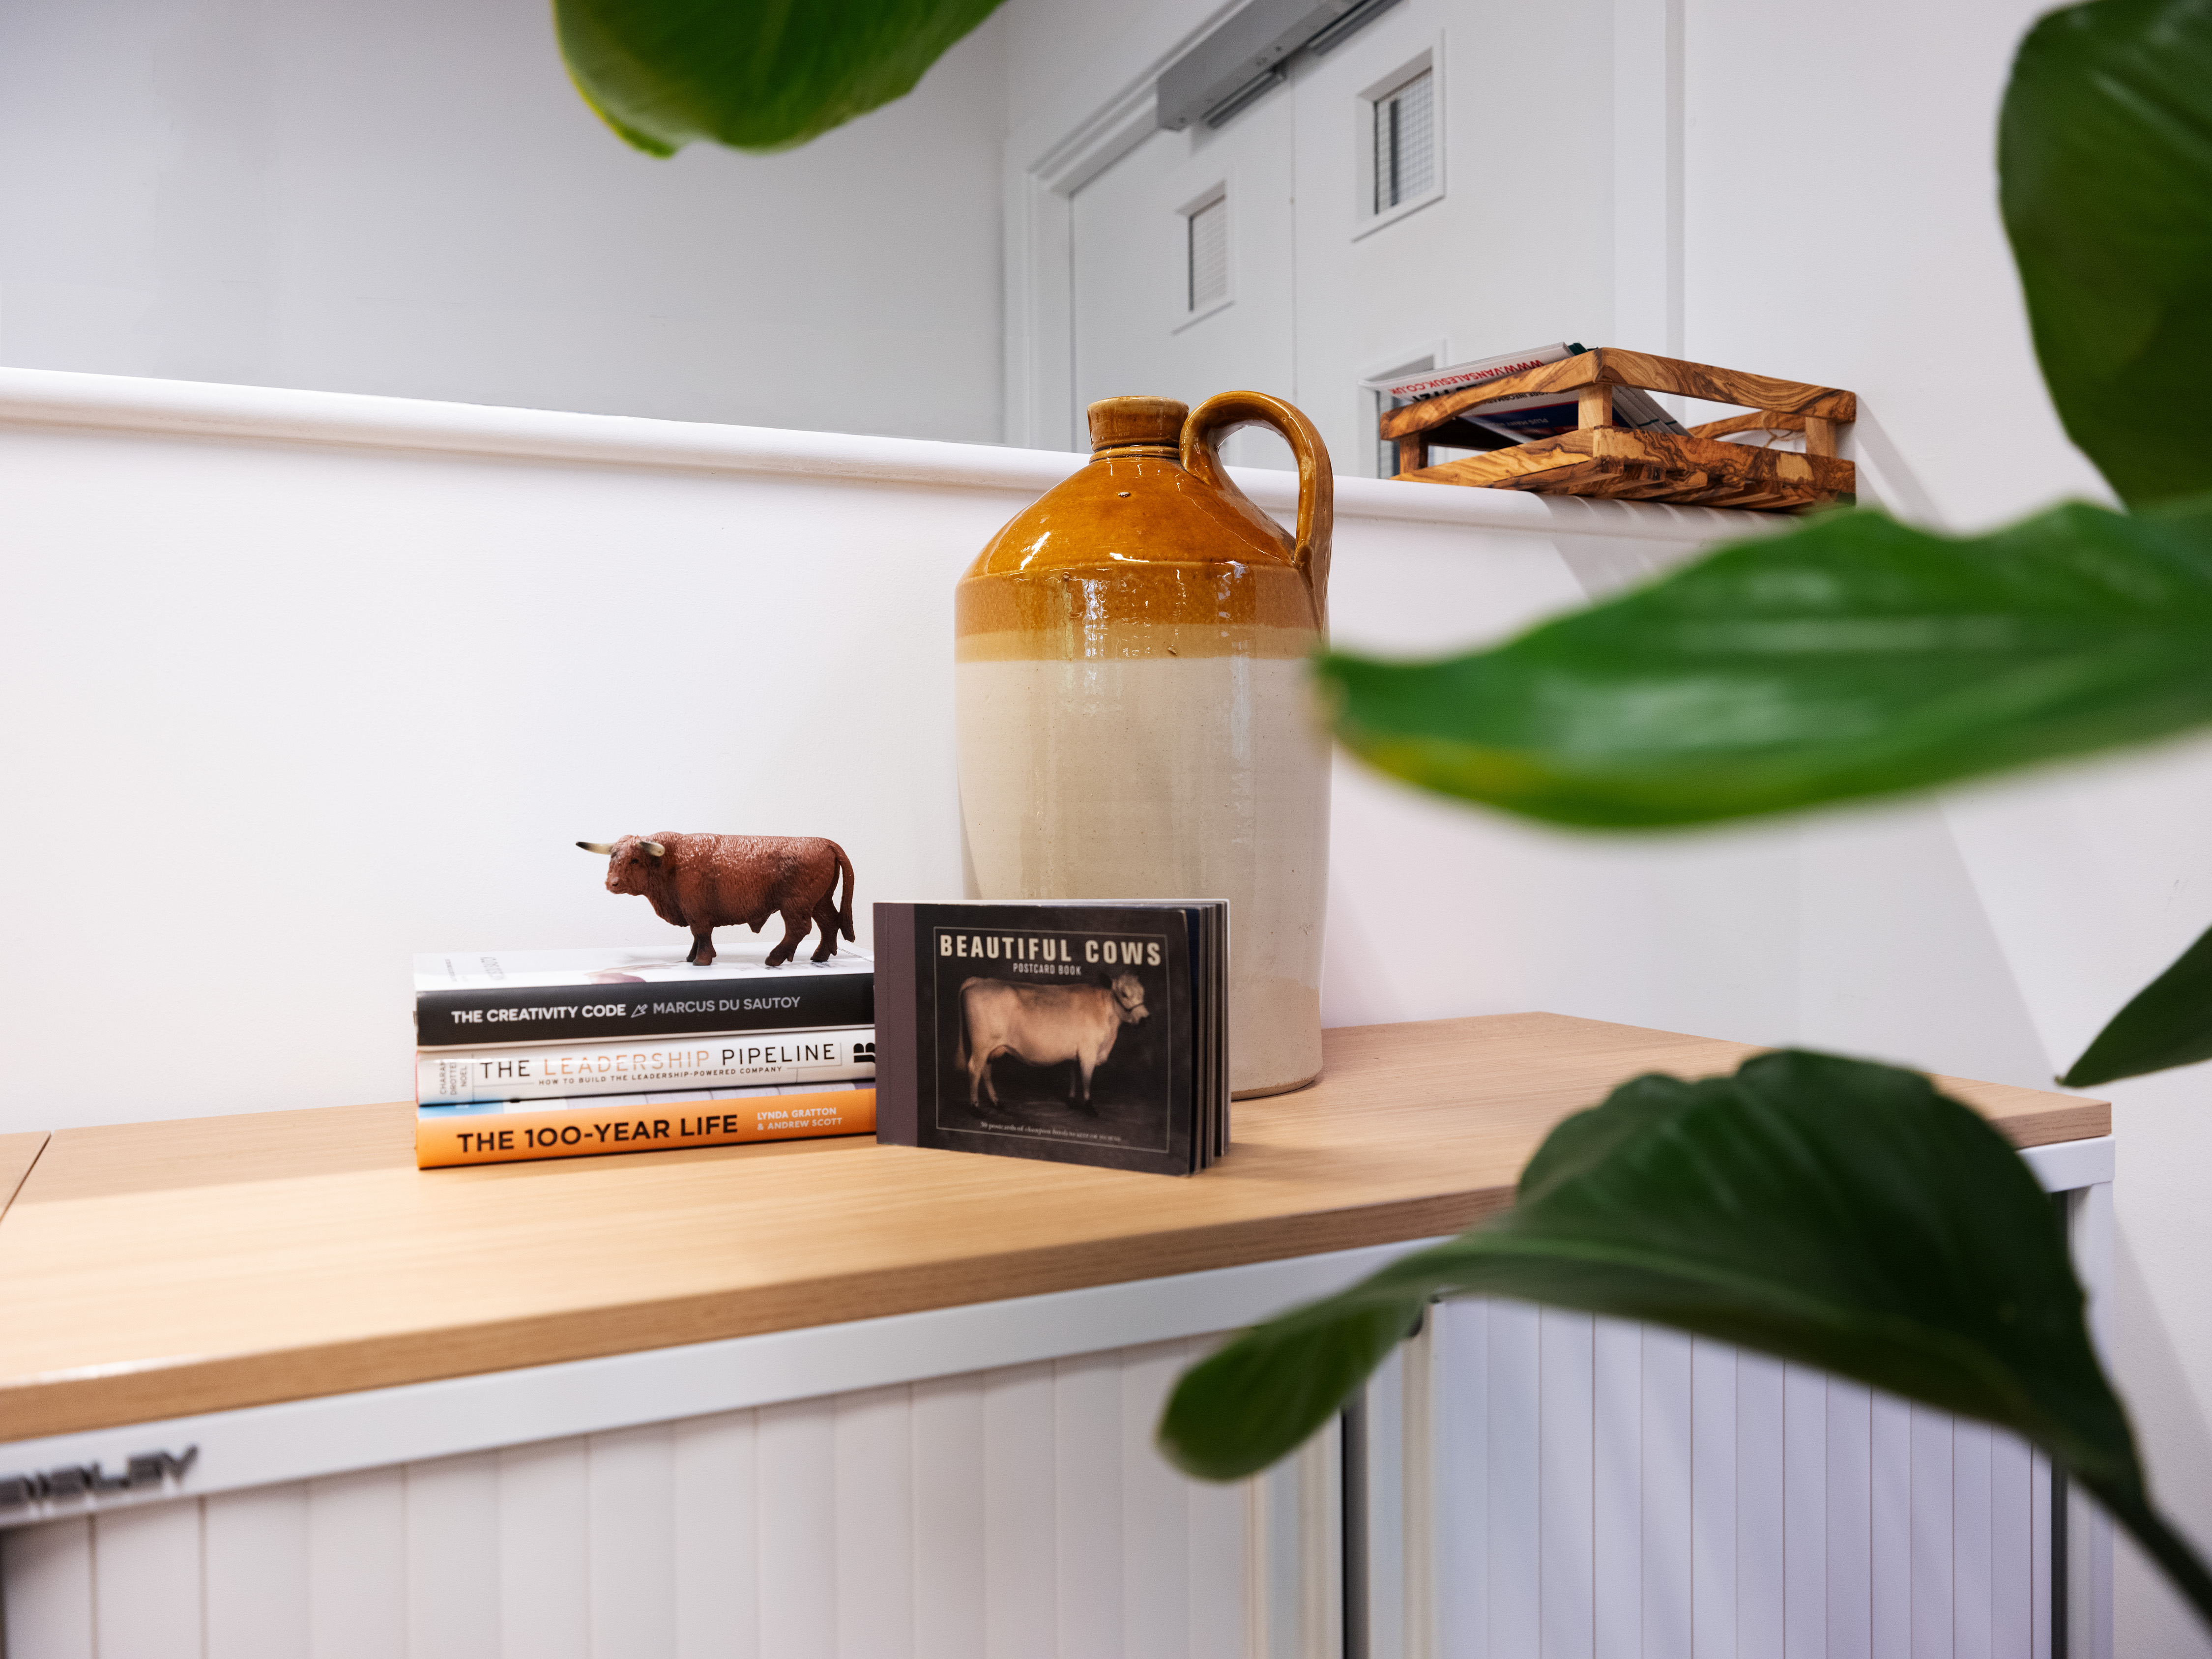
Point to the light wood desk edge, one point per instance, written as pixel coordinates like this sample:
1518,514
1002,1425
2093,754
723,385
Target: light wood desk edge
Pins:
163,1269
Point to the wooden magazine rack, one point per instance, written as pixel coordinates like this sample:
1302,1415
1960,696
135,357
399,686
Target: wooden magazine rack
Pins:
1602,458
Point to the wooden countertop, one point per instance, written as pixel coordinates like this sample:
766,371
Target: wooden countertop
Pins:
151,1270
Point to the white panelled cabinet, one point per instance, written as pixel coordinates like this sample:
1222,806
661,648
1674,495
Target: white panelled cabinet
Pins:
980,1478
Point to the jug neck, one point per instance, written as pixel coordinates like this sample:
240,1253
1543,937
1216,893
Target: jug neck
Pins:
1131,452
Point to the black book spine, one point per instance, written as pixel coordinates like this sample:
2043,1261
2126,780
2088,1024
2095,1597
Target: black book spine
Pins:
898,1054
617,1013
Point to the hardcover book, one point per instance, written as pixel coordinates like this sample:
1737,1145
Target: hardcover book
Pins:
1079,1031
447,1077
1535,415
486,1000
505,1132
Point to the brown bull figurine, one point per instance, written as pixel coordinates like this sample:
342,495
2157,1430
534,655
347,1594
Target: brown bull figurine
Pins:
706,882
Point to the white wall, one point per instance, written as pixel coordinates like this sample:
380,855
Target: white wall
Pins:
1803,190
410,198
309,682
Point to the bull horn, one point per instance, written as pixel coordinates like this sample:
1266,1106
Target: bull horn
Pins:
595,847
654,847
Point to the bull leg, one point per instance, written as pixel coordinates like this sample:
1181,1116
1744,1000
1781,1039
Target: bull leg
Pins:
979,1079
1086,1064
702,948
795,924
825,918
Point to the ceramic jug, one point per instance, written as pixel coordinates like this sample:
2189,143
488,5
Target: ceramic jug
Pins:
1135,719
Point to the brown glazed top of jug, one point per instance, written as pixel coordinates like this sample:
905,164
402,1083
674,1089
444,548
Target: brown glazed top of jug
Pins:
1139,556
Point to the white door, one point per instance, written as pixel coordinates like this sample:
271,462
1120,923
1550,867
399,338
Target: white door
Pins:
1182,281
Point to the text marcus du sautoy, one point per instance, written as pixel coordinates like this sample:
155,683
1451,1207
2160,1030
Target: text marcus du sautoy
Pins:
616,1011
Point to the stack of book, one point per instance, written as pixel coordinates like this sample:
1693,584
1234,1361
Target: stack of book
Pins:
1523,419
564,1054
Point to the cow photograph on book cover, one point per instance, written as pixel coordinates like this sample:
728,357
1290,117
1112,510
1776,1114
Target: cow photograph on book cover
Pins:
1066,1044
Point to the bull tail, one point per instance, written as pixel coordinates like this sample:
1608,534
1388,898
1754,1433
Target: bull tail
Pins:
845,910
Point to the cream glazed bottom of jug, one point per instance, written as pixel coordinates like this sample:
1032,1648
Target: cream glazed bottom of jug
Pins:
1135,713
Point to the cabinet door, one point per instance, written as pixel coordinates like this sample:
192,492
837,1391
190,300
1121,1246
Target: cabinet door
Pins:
1216,199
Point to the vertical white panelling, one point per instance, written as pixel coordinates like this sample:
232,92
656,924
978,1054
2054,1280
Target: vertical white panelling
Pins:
2095,1531
257,1573
1566,1524
47,1574
1419,1507
1851,1521
2012,1579
453,1590
1222,1597
1155,1539
1386,1508
1277,1574
1970,1540
1087,1504
1805,1521
2038,1475
1762,1546
1932,1510
146,1582
949,1538
797,1472
357,1565
631,1502
1020,1619
1319,1465
875,1524
542,1549
1670,1518
1514,1614
1712,1480
1463,1512
1625,1490
717,1539
1889,1527
1617,1489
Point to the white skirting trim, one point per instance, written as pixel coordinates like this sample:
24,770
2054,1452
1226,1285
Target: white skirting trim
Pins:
192,409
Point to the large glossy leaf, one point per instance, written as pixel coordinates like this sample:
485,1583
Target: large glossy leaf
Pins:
1851,657
754,74
2104,152
2169,1024
1830,1212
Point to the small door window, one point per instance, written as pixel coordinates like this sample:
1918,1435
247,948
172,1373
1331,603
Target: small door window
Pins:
1406,142
1207,253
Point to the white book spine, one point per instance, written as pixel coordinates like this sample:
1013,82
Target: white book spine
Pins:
560,1071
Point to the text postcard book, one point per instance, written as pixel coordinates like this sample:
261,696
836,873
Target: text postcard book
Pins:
1080,1032
494,998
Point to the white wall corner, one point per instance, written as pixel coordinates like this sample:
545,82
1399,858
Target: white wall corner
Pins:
1648,83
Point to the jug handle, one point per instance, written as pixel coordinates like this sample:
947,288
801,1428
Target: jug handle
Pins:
1214,420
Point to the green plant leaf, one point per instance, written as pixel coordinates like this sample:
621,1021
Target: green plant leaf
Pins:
1826,1211
2104,155
2168,1023
1851,657
752,74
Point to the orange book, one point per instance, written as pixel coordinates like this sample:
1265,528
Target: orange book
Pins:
507,1132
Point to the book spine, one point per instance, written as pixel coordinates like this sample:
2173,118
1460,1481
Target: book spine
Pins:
449,1077
444,1137
632,1009
898,1081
